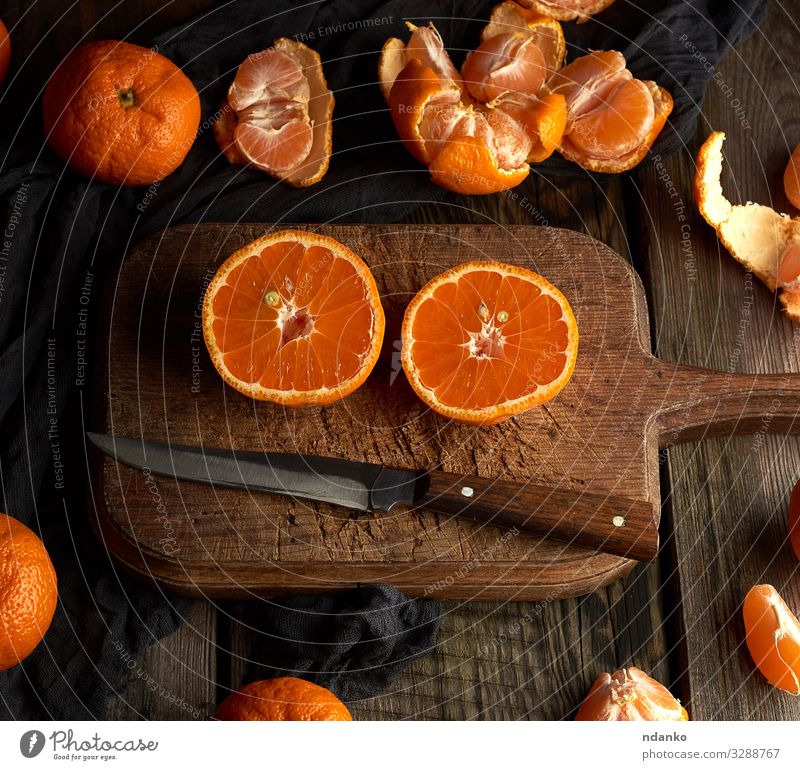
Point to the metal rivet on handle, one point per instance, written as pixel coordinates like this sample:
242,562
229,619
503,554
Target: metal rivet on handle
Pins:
467,491
618,521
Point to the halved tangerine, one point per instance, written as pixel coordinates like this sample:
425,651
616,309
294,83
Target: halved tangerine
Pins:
772,633
277,116
294,318
630,695
485,341
612,118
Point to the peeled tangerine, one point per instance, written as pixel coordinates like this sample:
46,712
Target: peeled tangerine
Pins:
277,116
477,130
567,10
773,637
765,242
630,695
612,118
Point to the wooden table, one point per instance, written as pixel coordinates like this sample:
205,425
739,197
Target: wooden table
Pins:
724,515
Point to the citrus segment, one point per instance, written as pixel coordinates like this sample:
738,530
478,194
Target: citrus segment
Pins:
630,695
544,31
567,10
277,116
28,592
284,698
485,341
791,178
612,118
543,119
772,634
293,318
426,47
508,62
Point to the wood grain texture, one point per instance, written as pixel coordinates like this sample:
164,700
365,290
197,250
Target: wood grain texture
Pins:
727,498
599,436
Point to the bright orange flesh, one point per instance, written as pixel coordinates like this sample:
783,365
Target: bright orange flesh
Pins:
5,52
293,318
773,637
508,62
791,178
542,118
283,699
794,519
28,591
630,695
485,341
612,118
277,116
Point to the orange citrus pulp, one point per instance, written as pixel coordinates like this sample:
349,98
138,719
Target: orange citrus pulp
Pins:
294,318
485,341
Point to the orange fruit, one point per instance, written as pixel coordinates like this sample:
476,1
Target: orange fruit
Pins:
794,519
277,116
485,341
612,118
630,695
543,118
772,634
28,591
424,46
567,10
294,318
791,178
5,52
758,237
544,31
283,699
120,113
510,62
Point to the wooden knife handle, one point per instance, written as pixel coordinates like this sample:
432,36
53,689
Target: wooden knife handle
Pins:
614,525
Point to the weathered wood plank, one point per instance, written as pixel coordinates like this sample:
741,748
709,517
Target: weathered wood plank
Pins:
176,677
728,496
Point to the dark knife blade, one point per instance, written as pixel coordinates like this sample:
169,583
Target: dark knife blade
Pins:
356,485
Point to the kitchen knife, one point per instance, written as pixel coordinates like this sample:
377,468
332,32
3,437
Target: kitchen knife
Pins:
606,523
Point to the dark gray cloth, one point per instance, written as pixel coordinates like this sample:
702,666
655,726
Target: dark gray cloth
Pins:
62,233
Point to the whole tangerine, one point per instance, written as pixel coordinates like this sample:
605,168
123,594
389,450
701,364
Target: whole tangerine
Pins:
28,591
284,699
120,113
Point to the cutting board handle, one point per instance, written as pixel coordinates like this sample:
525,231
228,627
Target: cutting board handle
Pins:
598,521
702,403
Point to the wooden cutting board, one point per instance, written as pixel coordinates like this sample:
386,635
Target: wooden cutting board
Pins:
602,433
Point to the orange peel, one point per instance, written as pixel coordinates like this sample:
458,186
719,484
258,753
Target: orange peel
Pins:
757,236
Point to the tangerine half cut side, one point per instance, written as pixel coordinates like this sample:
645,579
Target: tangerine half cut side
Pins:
485,341
294,318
